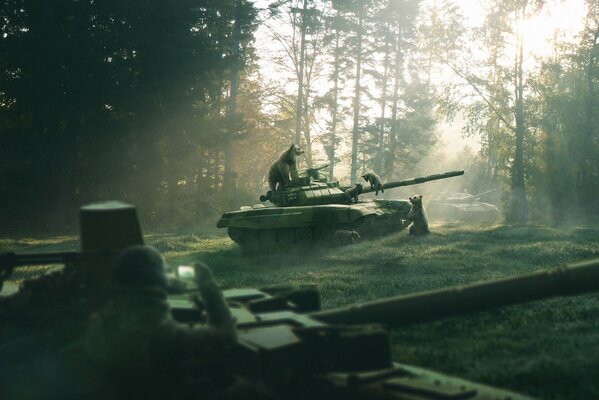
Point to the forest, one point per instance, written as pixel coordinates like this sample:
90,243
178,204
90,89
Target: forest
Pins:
180,107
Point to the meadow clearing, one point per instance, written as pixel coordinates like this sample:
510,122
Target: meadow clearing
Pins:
548,349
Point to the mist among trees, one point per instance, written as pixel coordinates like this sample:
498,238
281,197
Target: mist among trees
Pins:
180,107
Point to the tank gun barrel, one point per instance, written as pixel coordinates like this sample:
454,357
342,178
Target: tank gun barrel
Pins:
314,172
10,261
415,181
485,193
427,306
13,260
324,166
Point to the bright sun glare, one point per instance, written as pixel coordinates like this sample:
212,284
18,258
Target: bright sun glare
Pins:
563,19
558,20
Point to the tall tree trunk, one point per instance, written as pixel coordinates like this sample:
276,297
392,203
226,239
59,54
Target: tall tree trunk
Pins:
493,124
381,150
200,188
518,207
356,127
300,81
215,166
585,188
172,179
332,138
228,174
390,162
307,127
64,201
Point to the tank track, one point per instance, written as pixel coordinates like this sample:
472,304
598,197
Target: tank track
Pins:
258,239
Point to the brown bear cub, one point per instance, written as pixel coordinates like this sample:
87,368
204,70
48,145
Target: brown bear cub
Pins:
281,169
343,237
375,182
417,217
353,193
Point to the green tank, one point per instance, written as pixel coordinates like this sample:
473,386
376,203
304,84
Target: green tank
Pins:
286,341
463,207
311,209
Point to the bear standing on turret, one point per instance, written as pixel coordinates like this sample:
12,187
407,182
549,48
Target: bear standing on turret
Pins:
417,217
281,169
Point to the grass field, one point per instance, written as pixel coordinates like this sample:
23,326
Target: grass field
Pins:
548,349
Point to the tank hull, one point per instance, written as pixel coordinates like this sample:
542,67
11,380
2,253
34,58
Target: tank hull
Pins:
263,227
466,212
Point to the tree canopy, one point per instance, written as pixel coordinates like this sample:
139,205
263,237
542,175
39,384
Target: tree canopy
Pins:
180,107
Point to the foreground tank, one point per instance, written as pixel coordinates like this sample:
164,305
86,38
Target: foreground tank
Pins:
302,352
311,209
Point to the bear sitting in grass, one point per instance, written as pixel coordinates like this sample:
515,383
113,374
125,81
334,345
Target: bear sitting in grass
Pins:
417,217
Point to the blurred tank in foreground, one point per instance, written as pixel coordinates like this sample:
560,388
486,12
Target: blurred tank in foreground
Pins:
312,209
463,207
284,340
303,352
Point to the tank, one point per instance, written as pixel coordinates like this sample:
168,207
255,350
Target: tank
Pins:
311,209
344,353
61,301
463,207
285,340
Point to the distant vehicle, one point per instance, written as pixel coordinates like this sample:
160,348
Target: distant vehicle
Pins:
463,207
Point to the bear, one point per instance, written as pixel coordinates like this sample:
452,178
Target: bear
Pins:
375,182
417,217
281,169
353,193
343,236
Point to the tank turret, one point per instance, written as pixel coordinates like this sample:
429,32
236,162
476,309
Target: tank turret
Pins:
462,197
345,353
311,209
463,206
105,229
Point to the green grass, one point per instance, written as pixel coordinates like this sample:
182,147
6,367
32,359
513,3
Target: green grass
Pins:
548,349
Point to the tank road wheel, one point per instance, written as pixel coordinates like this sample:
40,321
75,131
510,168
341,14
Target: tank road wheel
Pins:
369,226
269,238
305,235
323,234
251,238
286,236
